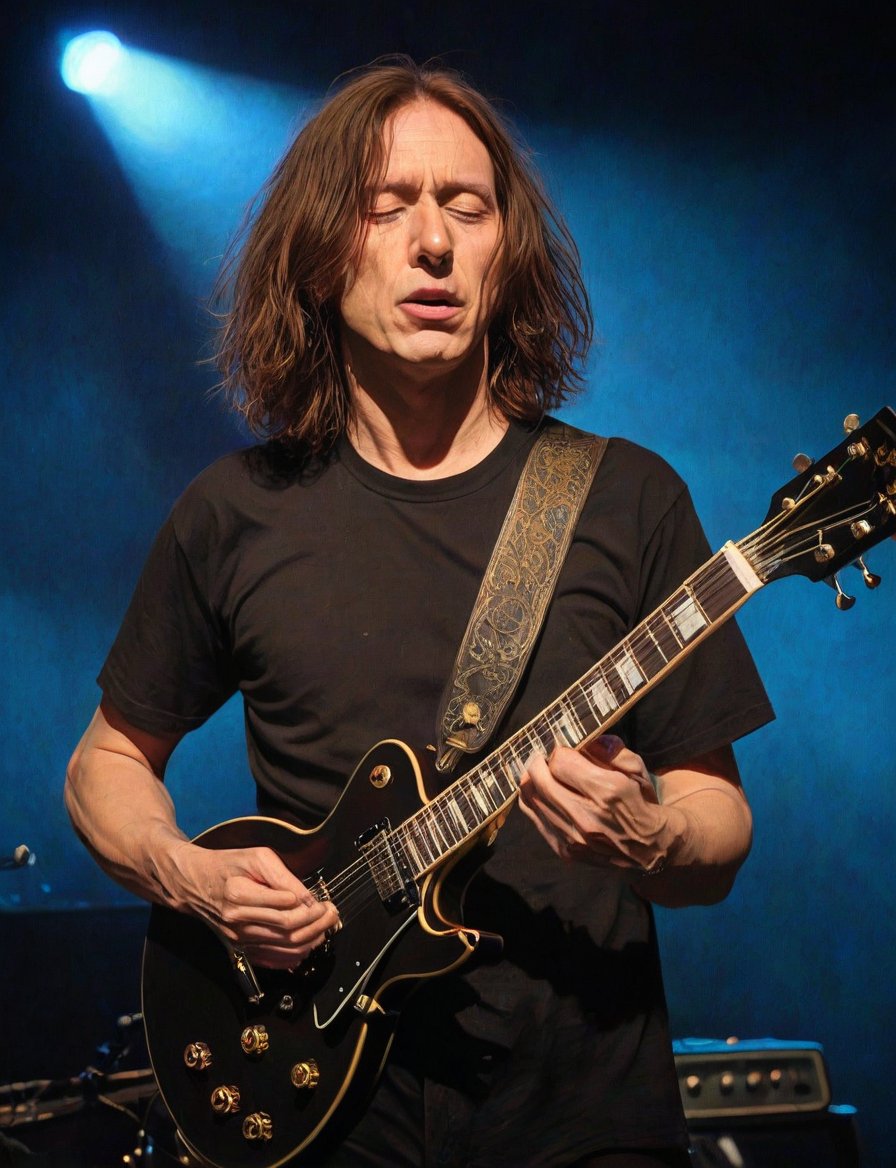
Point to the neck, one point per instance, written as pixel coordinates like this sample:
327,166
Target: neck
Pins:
420,426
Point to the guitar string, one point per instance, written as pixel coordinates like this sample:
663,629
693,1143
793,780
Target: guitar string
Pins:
380,858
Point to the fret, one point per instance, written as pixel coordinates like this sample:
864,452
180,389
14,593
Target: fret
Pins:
585,697
437,833
612,684
653,637
465,805
651,657
664,635
495,792
719,594
425,845
413,852
628,671
602,697
691,591
683,616
615,683
513,771
566,728
534,742
478,795
458,818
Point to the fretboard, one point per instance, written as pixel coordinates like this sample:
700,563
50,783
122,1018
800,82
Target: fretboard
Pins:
588,708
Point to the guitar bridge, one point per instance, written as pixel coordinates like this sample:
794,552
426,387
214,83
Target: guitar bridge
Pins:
389,867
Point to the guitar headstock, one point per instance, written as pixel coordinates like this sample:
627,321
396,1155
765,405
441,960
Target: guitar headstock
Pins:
833,511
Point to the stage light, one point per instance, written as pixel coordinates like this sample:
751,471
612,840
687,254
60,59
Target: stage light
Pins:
194,144
91,63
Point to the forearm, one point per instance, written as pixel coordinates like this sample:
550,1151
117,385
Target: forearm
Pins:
125,817
705,838
122,811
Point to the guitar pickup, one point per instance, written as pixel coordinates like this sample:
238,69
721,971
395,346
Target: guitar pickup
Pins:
388,866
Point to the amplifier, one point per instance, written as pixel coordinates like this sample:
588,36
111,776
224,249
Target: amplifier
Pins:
726,1079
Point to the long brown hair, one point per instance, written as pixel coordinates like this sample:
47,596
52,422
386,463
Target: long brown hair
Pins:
279,349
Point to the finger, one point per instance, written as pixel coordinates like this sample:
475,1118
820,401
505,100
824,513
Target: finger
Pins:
569,844
246,901
307,935
275,874
611,752
605,748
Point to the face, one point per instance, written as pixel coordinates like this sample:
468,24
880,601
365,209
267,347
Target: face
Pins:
420,294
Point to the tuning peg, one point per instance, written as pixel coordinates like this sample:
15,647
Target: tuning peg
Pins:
851,422
872,580
801,462
843,600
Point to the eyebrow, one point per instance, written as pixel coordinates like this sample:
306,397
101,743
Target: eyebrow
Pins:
403,187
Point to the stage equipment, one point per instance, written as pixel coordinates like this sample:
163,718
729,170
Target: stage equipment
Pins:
91,62
762,1103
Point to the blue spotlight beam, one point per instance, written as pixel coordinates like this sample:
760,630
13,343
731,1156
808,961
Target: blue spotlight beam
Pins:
91,63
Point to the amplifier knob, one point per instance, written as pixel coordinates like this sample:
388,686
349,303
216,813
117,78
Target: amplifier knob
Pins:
726,1083
775,1077
692,1082
225,1100
258,1127
753,1080
305,1076
197,1056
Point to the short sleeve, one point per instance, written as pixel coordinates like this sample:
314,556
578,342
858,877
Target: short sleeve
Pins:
715,695
169,667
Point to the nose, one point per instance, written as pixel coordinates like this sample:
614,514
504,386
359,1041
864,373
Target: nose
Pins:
431,243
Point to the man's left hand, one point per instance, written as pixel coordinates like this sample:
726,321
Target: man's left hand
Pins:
599,806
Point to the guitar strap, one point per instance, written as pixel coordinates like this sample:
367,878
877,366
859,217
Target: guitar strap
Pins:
516,589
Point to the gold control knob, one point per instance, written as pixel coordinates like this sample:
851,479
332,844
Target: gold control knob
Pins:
775,1076
305,1076
258,1127
197,1056
726,1083
753,1080
692,1082
225,1100
254,1040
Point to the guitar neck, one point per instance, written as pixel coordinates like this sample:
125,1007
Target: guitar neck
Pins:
588,708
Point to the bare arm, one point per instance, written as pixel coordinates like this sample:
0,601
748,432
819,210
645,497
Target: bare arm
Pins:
693,831
125,816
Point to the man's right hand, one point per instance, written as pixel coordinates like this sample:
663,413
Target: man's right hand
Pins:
252,900
123,812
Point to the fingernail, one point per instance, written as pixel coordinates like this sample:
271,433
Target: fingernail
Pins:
610,745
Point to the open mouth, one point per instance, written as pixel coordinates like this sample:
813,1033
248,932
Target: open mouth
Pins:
425,306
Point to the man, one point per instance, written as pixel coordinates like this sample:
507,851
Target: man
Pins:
404,309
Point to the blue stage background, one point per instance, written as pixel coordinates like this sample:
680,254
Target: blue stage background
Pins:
730,181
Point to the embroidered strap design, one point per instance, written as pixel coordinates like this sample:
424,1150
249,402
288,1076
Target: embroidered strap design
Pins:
516,588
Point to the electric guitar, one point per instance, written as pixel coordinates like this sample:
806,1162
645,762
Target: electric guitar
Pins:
258,1066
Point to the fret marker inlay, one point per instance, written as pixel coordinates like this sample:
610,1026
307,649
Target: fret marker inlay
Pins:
688,618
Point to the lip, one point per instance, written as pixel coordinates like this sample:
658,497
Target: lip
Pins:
431,304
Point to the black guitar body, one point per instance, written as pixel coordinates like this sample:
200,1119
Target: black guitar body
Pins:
334,1015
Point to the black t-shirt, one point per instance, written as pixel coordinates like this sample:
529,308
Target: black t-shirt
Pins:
334,597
